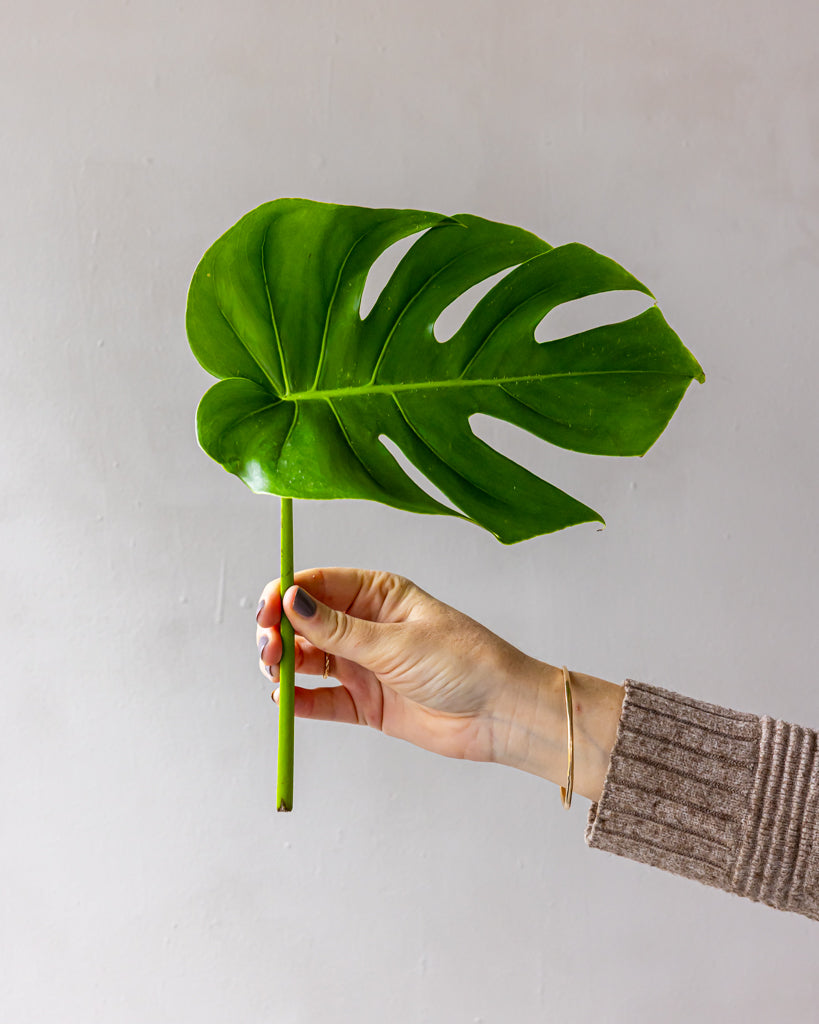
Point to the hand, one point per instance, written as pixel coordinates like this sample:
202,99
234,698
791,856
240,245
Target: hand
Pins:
419,670
407,664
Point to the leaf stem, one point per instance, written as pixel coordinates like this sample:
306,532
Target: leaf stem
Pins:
284,778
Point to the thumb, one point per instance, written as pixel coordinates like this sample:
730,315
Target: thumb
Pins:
333,631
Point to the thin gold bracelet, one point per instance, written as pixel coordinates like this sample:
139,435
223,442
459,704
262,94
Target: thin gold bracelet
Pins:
566,791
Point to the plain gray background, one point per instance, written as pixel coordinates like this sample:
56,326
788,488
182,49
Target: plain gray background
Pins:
145,874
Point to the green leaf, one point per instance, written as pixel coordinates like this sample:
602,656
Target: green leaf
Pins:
307,387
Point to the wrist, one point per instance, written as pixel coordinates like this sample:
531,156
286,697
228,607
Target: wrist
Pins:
527,721
530,730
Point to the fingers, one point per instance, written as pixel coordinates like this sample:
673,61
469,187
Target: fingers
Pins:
337,632
309,659
350,601
269,641
324,703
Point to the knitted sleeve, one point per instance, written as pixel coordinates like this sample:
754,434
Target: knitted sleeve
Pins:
723,797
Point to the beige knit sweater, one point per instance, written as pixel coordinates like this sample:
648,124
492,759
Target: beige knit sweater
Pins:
726,798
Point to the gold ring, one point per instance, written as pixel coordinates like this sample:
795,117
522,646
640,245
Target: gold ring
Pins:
326,671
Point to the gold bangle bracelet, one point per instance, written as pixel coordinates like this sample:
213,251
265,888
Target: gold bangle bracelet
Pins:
566,791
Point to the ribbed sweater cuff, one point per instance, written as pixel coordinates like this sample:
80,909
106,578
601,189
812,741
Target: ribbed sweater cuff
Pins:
720,796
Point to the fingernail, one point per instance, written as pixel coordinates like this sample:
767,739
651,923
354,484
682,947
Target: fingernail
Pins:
275,696
263,644
270,671
303,604
259,609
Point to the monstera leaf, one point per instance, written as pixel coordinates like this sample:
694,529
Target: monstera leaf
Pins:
308,388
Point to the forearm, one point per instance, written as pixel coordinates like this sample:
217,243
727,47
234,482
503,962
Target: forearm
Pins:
530,725
716,795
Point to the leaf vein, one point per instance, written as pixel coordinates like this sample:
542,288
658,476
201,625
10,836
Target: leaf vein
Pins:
243,343
503,319
531,408
349,253
457,382
428,446
256,412
350,445
414,297
287,435
285,378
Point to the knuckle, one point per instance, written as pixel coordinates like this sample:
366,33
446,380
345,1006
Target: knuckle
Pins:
391,588
340,629
392,582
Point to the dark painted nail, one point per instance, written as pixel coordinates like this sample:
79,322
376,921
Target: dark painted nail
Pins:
259,609
263,644
303,604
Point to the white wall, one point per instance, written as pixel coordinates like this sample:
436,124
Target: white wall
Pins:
145,874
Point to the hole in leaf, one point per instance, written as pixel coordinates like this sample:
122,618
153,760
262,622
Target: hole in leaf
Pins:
591,311
415,474
383,269
451,320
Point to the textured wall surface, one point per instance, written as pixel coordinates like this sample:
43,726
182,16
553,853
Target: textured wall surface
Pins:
145,874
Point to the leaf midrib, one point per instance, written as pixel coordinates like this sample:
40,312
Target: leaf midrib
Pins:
435,385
